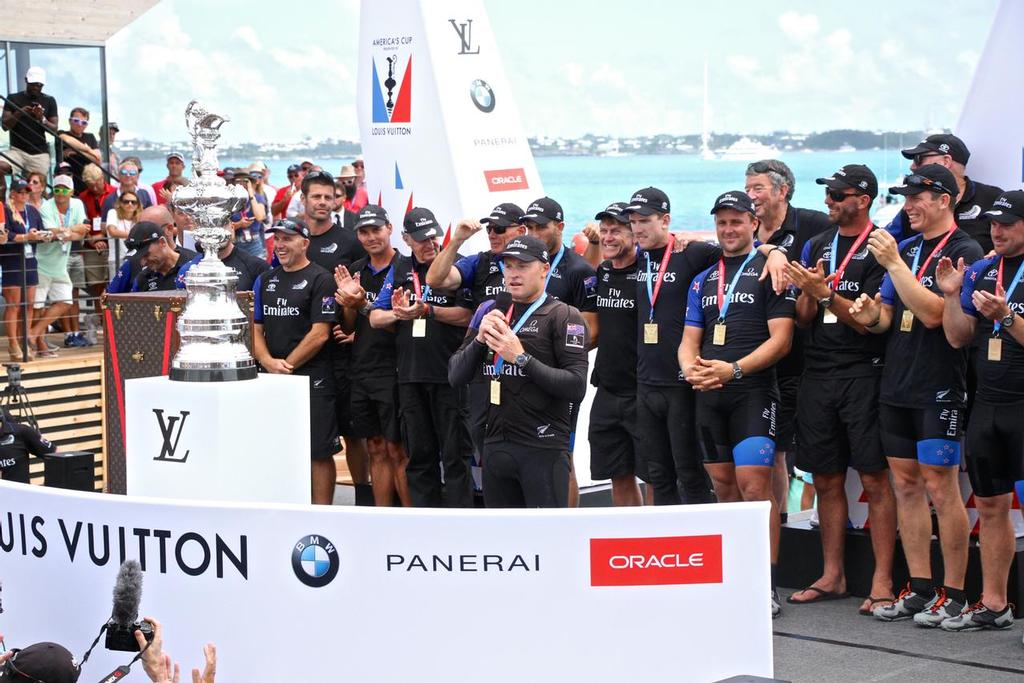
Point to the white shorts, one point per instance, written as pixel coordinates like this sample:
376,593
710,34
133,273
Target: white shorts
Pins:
56,291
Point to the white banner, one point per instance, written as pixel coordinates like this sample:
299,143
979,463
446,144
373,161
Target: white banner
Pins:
991,122
437,120
300,593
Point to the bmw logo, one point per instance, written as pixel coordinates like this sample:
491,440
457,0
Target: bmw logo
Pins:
315,561
483,96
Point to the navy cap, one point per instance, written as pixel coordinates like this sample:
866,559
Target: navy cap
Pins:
371,214
648,201
19,184
852,177
616,211
420,224
290,226
933,178
734,199
142,235
525,248
41,662
940,143
1008,207
294,168
543,211
504,215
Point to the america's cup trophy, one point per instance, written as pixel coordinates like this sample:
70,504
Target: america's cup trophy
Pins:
212,325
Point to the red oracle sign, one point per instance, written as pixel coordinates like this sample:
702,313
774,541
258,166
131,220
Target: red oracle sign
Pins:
506,179
655,561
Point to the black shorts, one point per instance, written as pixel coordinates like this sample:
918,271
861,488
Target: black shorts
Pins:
517,476
375,408
737,427
612,435
667,453
785,428
323,432
995,448
343,403
837,426
929,434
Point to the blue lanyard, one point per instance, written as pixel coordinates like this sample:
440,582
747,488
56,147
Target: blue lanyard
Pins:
723,306
551,271
500,362
1009,292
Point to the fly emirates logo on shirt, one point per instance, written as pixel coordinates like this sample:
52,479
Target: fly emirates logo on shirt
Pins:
661,561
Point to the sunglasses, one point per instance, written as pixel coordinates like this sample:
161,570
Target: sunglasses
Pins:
320,175
919,158
62,190
497,229
764,167
289,224
130,174
933,185
78,121
839,195
129,201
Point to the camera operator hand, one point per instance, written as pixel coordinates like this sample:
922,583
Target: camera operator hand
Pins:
167,672
152,657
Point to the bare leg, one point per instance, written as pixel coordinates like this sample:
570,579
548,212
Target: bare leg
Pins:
398,460
997,546
625,491
915,522
882,517
723,478
832,514
382,474
941,483
355,457
755,483
780,481
324,479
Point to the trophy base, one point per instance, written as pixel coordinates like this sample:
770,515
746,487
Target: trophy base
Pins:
212,374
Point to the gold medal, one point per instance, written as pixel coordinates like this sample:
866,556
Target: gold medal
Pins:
650,333
495,392
719,335
419,327
829,318
907,321
995,349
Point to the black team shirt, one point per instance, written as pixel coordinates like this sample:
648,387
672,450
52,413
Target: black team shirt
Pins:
149,280
658,364
615,366
27,134
753,304
481,275
337,247
922,368
247,266
999,382
573,281
373,351
833,349
287,305
423,359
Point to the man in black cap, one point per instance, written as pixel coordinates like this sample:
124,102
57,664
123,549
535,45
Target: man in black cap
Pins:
737,329
983,305
429,327
973,198
534,358
923,393
482,275
247,266
129,269
39,663
612,431
770,185
157,256
375,406
293,312
837,408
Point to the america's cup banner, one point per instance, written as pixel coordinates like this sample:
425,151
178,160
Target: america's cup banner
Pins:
991,122
438,123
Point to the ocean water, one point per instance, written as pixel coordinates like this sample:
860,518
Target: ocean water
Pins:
585,185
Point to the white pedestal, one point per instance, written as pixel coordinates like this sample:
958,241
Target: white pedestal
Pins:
227,441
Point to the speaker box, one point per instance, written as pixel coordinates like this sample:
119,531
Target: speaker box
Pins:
73,470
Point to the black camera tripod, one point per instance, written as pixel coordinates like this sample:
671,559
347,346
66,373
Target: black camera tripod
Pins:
14,401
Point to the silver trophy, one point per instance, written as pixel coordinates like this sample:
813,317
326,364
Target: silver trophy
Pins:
212,325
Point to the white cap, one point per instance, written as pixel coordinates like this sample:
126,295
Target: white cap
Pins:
64,181
35,74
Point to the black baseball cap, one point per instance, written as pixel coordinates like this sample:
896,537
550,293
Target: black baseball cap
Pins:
1008,207
294,168
616,211
941,143
648,201
19,184
41,662
542,211
525,248
290,226
142,235
420,224
504,215
371,214
737,200
933,177
852,177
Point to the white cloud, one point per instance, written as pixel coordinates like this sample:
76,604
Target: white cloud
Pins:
573,74
247,34
799,27
743,65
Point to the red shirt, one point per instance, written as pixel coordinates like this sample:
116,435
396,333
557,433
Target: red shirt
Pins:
281,192
358,201
94,204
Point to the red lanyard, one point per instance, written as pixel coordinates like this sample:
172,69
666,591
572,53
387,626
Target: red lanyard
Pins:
416,286
938,247
849,255
653,296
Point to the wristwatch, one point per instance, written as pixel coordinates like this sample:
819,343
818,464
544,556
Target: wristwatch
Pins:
521,360
1008,320
825,302
737,371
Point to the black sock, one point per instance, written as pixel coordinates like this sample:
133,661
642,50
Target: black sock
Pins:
956,594
775,570
921,586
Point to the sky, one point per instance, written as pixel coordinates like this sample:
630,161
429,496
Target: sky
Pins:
285,72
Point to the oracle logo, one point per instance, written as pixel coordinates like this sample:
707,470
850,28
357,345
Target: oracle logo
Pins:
658,561
506,179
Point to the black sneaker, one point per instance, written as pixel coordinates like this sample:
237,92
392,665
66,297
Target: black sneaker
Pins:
978,617
907,604
941,609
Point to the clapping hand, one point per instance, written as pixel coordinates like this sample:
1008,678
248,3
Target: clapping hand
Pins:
349,293
866,310
949,279
401,307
